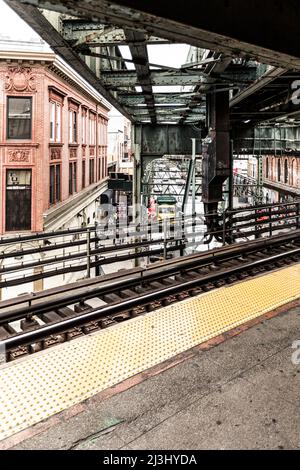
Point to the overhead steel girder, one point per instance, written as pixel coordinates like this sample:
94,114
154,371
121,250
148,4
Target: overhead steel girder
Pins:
261,82
195,117
267,31
166,109
159,98
96,34
41,25
140,57
166,116
159,107
129,78
162,112
170,117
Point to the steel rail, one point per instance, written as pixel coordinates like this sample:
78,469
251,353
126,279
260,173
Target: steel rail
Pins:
34,336
119,284
156,271
148,274
226,250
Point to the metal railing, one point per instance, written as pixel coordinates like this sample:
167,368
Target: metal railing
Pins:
28,258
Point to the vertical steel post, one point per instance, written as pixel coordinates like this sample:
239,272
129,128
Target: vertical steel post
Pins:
137,172
97,267
230,181
224,230
193,187
270,224
88,253
165,238
259,173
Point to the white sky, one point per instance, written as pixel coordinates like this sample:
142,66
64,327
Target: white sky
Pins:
173,55
12,26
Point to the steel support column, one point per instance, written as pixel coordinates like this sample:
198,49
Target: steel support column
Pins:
136,138
260,176
216,156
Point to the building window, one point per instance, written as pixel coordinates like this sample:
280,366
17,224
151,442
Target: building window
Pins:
293,173
84,126
72,126
92,129
72,178
286,172
18,200
83,174
19,113
54,184
99,169
267,168
105,166
92,171
278,170
55,122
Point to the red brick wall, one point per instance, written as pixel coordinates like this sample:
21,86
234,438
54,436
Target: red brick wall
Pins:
293,164
34,80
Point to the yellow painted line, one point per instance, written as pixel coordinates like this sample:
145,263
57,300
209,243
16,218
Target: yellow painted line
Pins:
46,383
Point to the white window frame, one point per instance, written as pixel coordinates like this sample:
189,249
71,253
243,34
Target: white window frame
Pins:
84,128
55,120
72,139
92,136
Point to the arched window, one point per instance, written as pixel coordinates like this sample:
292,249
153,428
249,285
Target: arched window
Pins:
278,170
267,167
286,171
293,173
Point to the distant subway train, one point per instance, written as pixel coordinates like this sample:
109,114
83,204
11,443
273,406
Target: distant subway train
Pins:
166,207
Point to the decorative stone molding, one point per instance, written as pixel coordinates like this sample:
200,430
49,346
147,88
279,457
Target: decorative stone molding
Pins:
19,155
92,151
73,153
55,153
20,79
73,104
56,95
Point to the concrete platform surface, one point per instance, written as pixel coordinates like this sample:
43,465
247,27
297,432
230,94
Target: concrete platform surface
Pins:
240,394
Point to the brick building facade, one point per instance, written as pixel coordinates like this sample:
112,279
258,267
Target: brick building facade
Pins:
285,170
53,144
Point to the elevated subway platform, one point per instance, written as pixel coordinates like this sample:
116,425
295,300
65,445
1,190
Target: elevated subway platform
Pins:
42,385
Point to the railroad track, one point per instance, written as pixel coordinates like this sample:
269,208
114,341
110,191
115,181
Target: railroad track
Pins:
35,322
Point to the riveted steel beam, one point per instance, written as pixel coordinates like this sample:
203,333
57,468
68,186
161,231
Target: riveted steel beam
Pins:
261,82
158,107
132,99
97,34
268,31
137,61
129,78
139,55
170,115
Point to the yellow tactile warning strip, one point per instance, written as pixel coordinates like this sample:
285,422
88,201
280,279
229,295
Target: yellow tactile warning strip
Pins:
46,383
